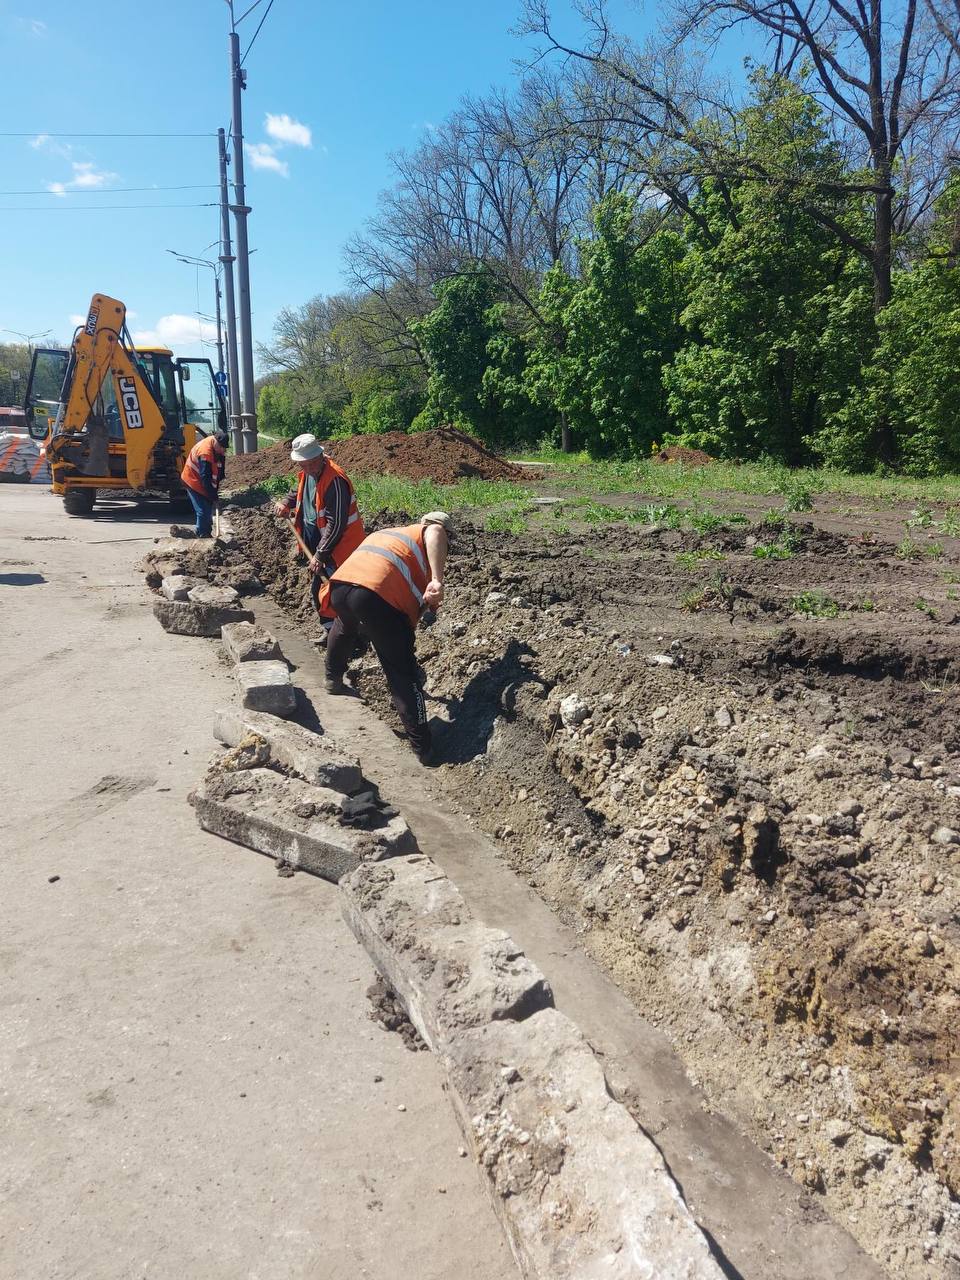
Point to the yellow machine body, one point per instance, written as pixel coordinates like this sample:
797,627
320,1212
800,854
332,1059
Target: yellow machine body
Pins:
116,416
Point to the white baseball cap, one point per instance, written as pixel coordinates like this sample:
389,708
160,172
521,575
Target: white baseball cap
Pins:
305,448
438,517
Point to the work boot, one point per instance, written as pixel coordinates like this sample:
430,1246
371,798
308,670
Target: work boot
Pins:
181,531
334,684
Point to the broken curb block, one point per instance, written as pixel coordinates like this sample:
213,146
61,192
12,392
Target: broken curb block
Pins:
259,808
449,969
184,618
206,593
177,586
265,686
314,758
581,1191
247,642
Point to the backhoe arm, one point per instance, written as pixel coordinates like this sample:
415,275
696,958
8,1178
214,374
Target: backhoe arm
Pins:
99,353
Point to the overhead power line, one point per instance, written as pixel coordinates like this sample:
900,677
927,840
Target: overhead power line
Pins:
97,208
108,191
257,32
42,133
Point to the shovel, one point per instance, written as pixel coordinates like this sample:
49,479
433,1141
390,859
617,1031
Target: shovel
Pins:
302,545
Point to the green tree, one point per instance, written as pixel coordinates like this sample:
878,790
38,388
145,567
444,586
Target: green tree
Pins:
607,336
913,381
779,314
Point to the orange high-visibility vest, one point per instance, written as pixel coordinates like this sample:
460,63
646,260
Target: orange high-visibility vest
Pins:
190,475
393,563
352,534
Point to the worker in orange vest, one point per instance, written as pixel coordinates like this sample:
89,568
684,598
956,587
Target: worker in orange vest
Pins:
379,593
324,512
201,476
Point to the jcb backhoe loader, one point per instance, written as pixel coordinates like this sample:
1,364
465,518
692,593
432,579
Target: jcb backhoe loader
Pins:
115,416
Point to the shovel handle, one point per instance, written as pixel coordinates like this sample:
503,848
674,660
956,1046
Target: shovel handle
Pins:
301,544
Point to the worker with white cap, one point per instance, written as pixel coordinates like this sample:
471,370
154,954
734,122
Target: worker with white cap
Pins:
379,594
324,511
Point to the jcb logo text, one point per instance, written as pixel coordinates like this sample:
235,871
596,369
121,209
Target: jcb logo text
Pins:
131,404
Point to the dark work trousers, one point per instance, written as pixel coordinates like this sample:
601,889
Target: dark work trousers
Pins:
361,612
311,536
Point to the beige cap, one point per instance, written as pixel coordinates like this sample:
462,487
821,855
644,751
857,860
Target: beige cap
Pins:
438,517
305,448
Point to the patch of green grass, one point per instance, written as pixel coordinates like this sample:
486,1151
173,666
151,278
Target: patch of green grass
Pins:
694,600
950,524
704,521
506,522
953,595
690,559
950,575
796,496
772,551
908,549
668,515
670,480
864,606
920,518
814,604
924,607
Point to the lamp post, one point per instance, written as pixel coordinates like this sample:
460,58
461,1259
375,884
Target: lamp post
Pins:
29,338
215,268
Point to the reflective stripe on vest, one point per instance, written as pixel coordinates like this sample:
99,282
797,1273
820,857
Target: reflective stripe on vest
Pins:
204,450
394,559
351,537
393,563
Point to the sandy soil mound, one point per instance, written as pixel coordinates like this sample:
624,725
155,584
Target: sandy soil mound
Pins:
677,453
444,455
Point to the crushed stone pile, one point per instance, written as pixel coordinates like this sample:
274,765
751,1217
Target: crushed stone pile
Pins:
445,455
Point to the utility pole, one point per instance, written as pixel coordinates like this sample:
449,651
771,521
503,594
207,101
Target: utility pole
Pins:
248,415
216,281
227,261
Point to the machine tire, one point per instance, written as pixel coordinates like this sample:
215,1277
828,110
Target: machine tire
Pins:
79,502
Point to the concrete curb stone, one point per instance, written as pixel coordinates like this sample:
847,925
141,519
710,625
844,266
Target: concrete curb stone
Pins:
293,820
449,969
581,1191
187,619
248,642
312,756
265,686
177,586
207,593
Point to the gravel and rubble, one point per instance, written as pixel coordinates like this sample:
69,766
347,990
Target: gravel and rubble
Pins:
749,814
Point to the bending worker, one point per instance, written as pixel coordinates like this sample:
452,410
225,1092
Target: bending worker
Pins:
379,592
324,511
201,477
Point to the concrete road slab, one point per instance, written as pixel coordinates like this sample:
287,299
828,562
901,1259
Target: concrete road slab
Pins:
188,1076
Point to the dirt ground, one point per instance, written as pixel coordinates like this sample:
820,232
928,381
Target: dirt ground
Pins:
736,772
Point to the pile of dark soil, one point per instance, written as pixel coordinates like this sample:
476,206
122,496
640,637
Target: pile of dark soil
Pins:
677,453
444,455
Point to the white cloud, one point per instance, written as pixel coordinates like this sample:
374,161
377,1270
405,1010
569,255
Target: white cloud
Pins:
33,25
285,130
39,140
77,319
182,334
86,177
262,156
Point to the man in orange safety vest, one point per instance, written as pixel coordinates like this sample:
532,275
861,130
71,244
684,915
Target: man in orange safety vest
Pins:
379,593
324,511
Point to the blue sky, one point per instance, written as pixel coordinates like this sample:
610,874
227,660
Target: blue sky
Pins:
360,80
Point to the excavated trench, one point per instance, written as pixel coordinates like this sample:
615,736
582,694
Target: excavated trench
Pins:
751,816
